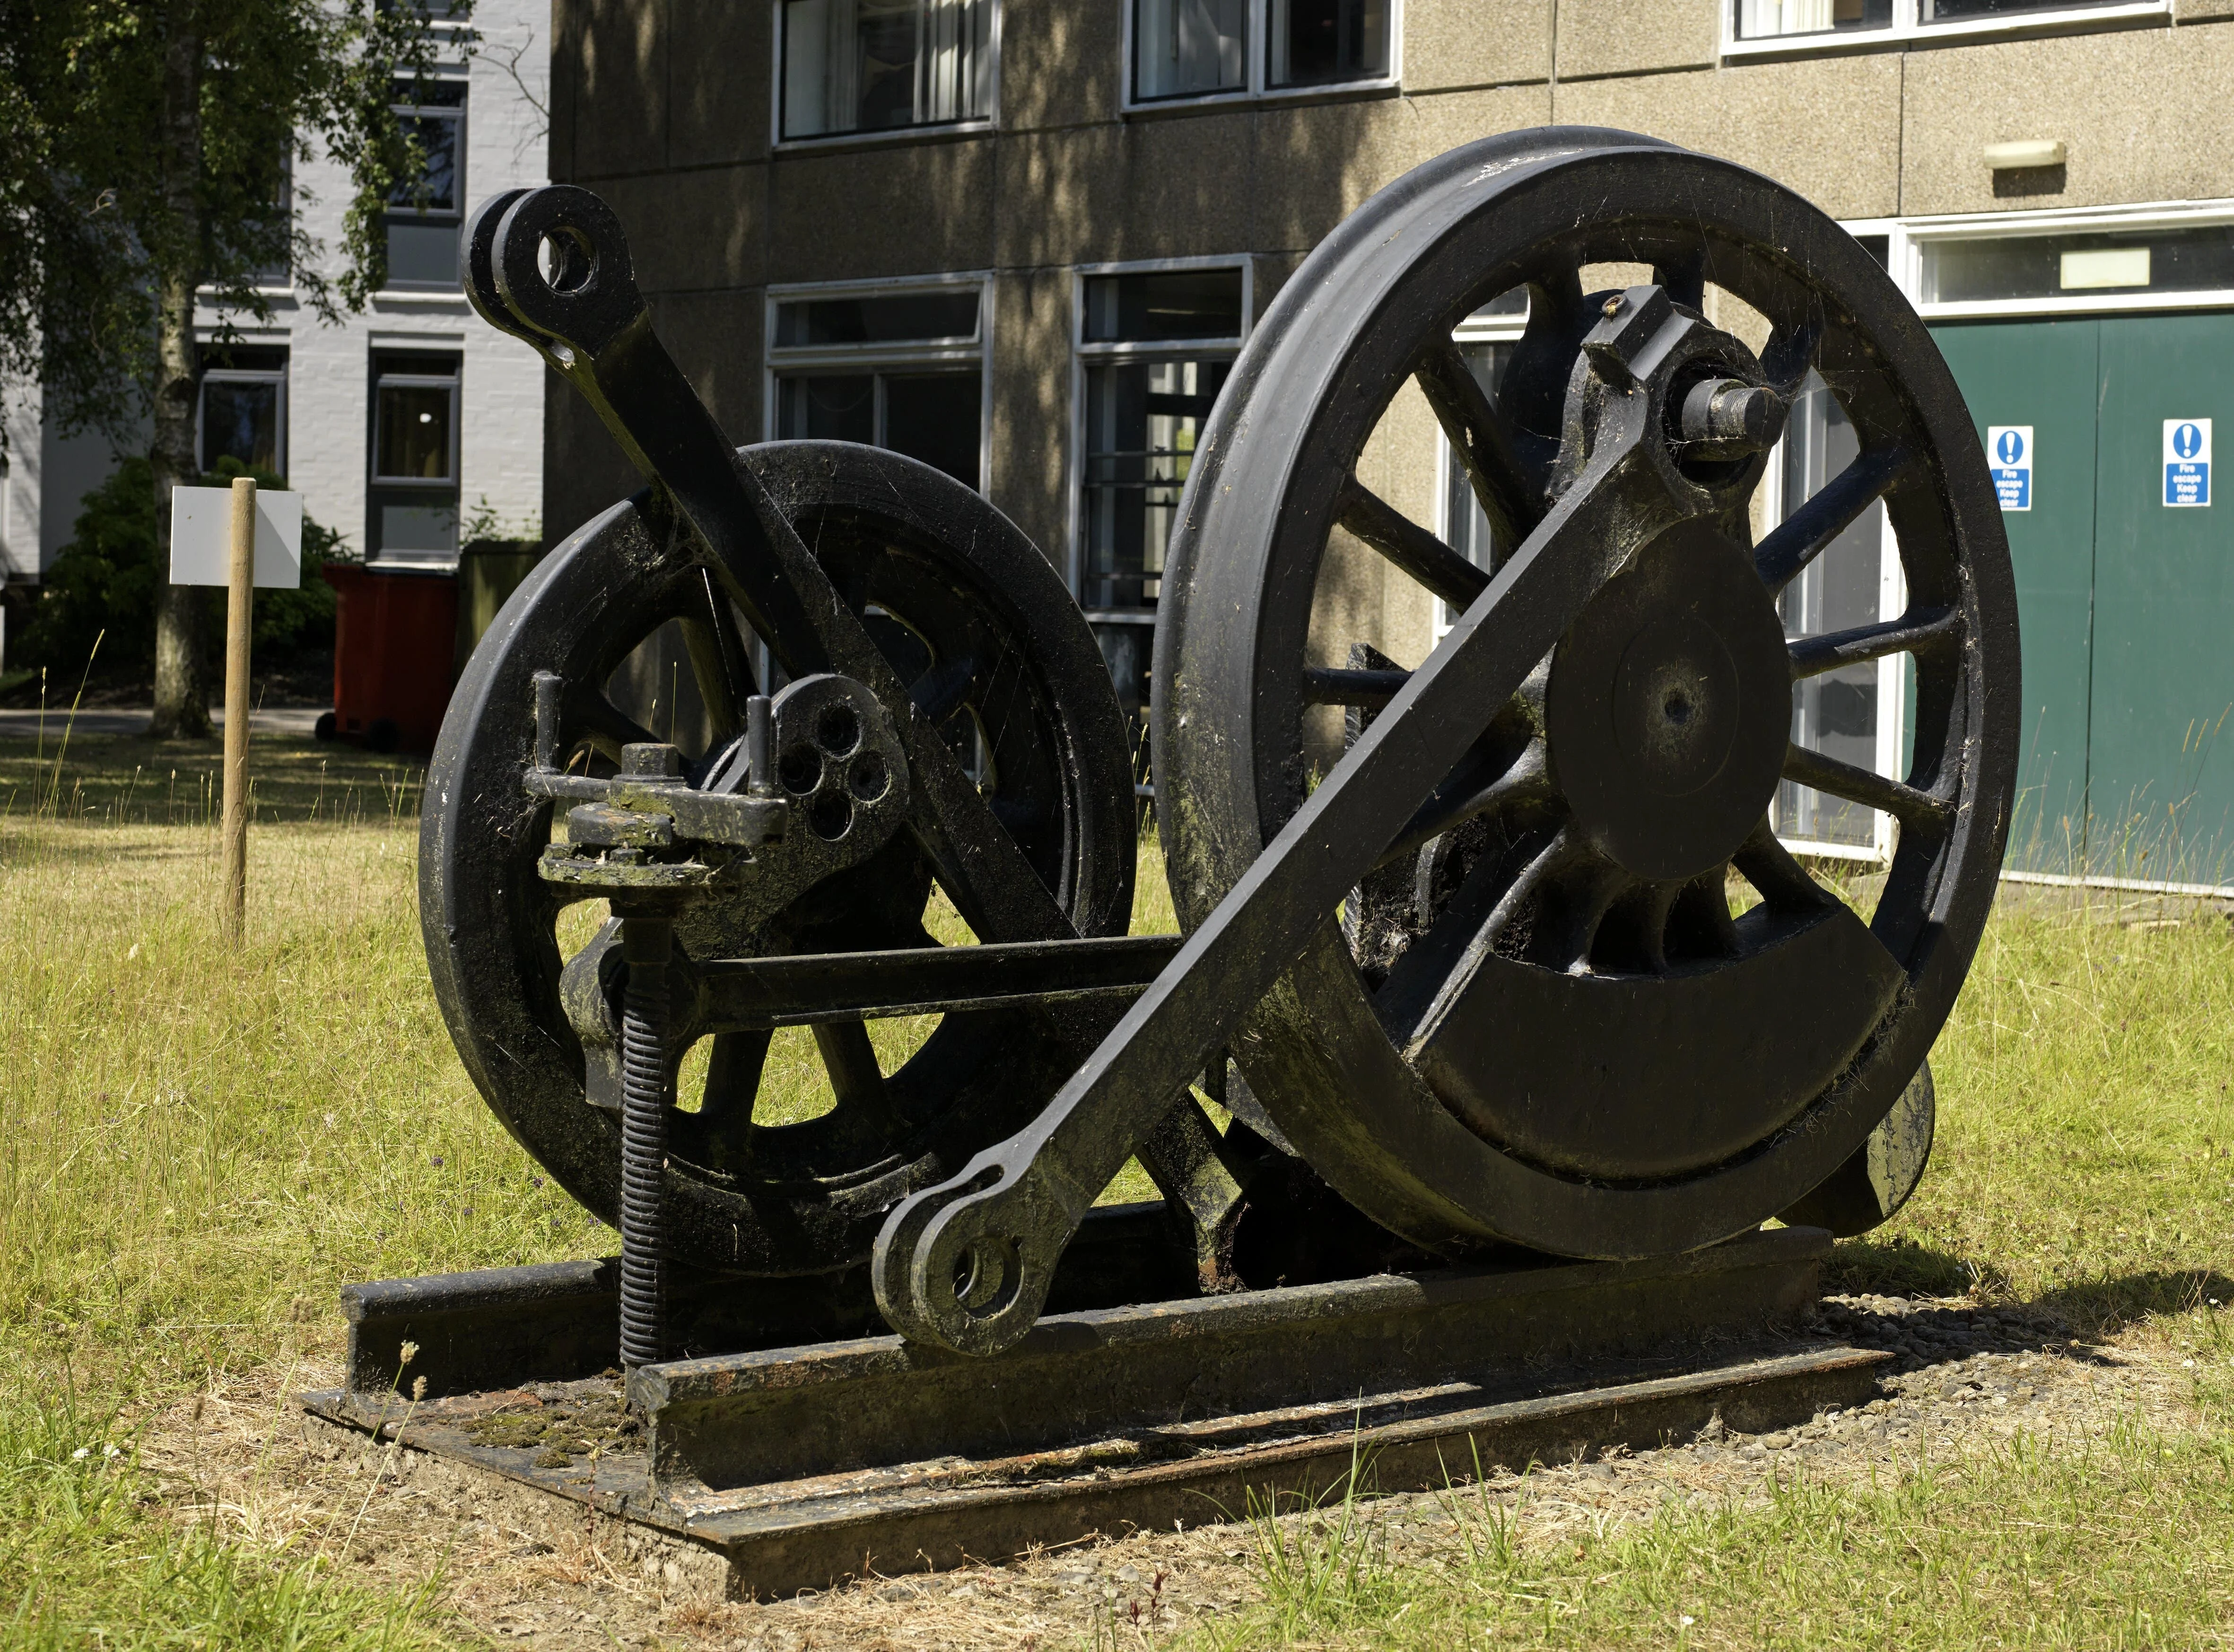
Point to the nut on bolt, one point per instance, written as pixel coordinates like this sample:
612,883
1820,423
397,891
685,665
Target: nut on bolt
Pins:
1730,417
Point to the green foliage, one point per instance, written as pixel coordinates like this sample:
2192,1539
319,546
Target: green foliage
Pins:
147,156
105,582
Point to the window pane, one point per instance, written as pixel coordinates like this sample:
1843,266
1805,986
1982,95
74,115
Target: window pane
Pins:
1188,47
1948,10
414,433
1148,309
905,316
423,252
241,420
934,417
418,531
1836,713
1142,422
1318,40
2047,266
434,189
1760,18
868,65
836,407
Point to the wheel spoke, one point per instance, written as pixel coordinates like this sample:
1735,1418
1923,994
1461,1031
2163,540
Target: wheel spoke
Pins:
1481,441
1792,353
1686,281
851,1060
604,725
1463,798
1781,880
1911,807
1808,531
719,663
1410,546
733,1078
1328,686
1917,632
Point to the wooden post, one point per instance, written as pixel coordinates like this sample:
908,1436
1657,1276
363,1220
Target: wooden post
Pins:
239,611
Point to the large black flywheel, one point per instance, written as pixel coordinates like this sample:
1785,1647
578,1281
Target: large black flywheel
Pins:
989,650
1586,1002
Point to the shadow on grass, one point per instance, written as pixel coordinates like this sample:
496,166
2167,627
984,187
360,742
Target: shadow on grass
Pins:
2097,1307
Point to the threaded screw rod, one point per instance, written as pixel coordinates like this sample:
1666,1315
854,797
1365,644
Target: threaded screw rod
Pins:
646,945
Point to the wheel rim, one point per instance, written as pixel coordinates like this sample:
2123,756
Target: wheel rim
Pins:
992,651
1647,1132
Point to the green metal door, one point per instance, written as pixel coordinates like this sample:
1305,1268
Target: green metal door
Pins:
2162,782
2044,374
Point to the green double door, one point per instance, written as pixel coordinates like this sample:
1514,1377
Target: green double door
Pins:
2127,604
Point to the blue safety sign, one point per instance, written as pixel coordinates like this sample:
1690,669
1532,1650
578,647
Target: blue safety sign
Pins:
2008,455
2187,462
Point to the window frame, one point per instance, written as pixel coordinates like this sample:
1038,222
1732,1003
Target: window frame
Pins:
244,376
1085,354
778,362
1906,239
1257,58
381,382
925,131
1908,27
459,113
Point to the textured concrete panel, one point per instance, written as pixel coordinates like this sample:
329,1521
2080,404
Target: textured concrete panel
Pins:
715,339
2138,112
584,469
1475,42
1633,36
1316,165
724,82
1062,62
896,209
564,66
620,90
1161,188
2203,10
1032,406
1771,117
690,230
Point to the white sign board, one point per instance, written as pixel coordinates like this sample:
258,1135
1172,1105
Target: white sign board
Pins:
2008,455
201,538
2187,462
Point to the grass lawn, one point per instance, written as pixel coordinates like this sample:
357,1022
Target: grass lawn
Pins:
198,1146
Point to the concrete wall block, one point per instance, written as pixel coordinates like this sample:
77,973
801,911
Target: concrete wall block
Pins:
722,116
583,468
694,229
1746,114
1062,62
1475,42
715,339
620,87
1031,432
2201,10
1634,36
1161,188
892,210
2128,106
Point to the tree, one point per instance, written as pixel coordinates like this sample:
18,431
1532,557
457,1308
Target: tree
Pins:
149,151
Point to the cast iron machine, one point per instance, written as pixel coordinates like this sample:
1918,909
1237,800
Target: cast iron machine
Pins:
1480,978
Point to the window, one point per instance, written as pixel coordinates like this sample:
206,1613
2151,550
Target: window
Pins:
1210,48
425,211
412,502
885,366
1764,24
1154,348
2165,260
850,66
1850,714
244,408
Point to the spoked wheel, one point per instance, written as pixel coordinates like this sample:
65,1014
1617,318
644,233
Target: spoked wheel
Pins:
1541,1019
991,651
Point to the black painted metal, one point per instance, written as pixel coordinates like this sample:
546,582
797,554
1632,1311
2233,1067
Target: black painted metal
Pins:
1483,974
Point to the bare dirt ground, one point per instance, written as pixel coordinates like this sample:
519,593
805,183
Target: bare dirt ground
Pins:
519,1568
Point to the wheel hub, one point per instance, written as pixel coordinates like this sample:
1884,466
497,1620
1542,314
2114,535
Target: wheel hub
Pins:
1666,707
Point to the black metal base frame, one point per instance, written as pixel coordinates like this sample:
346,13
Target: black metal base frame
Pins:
838,1455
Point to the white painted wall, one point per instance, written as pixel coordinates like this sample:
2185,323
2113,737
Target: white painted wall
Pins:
500,389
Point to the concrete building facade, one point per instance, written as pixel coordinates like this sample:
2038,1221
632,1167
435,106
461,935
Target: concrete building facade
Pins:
404,426
1022,238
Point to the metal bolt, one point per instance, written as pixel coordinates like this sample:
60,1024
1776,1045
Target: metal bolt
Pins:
647,944
1613,305
1733,414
